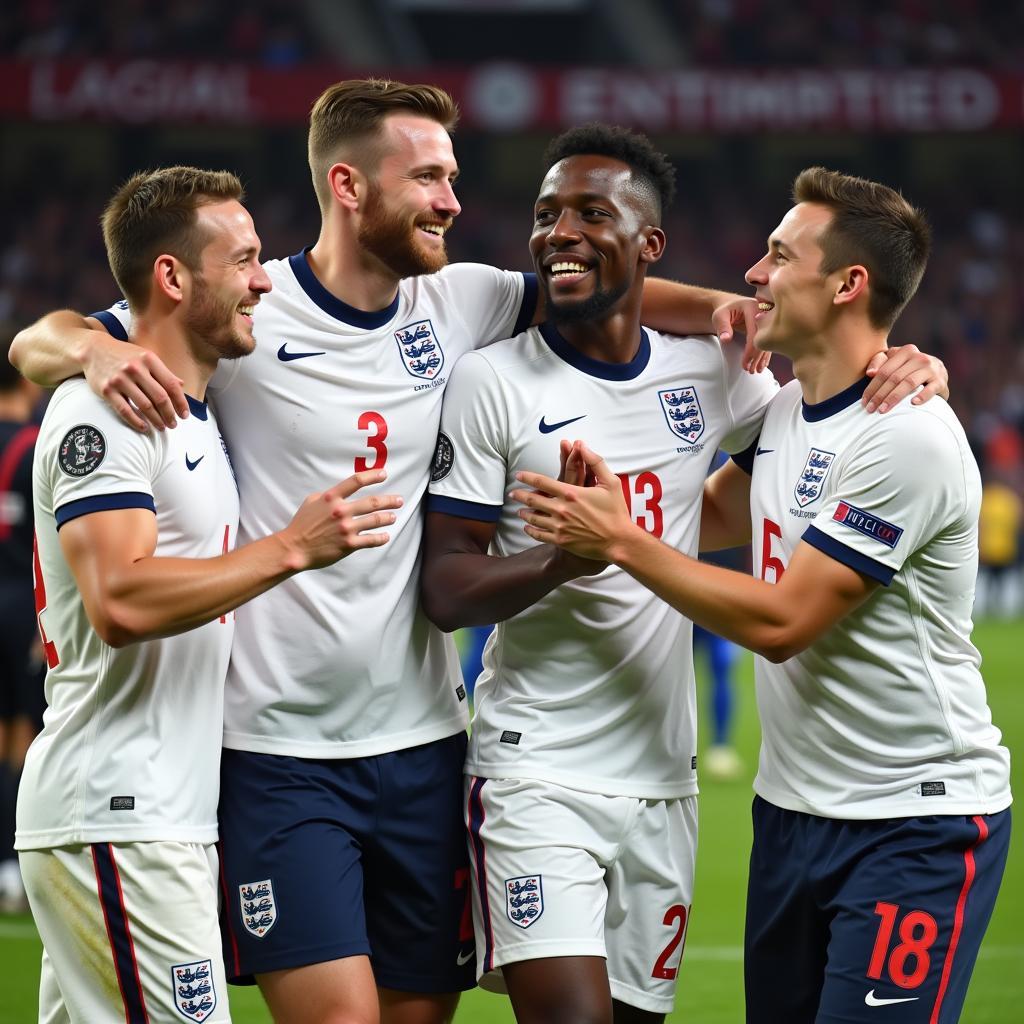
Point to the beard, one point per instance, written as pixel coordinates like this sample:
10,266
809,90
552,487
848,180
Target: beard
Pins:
594,307
391,237
212,321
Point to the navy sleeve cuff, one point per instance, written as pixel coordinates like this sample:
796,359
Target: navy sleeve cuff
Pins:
103,503
854,559
745,458
528,307
463,509
114,326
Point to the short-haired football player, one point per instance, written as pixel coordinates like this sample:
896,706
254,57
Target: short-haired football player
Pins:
881,822
136,577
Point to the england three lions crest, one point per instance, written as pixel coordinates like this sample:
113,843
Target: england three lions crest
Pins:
258,908
812,476
683,413
524,899
194,994
420,349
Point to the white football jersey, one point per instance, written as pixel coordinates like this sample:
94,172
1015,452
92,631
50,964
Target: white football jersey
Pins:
130,747
592,687
885,715
341,662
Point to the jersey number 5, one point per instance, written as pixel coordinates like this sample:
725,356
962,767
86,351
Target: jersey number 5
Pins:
377,432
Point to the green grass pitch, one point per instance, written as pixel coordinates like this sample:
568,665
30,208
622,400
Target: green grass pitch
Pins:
710,983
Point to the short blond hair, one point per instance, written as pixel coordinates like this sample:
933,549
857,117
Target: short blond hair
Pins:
154,212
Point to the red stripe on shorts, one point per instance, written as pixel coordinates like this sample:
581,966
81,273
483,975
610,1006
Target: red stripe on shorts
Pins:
958,917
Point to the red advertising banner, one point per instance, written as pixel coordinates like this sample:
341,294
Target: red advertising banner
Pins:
508,98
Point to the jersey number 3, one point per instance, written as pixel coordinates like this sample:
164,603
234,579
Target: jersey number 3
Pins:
377,431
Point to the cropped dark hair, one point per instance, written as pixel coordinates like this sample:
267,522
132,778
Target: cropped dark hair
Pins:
651,169
353,111
872,225
154,212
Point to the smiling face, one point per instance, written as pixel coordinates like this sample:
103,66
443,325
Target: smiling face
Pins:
229,282
410,203
594,228
796,299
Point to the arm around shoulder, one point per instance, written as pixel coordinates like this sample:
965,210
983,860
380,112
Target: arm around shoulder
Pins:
133,381
55,347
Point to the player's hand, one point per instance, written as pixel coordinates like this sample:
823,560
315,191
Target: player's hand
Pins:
329,526
135,383
572,469
738,315
899,372
585,521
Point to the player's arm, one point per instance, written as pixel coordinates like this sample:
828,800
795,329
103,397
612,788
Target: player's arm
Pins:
775,620
687,309
131,595
462,585
725,509
132,380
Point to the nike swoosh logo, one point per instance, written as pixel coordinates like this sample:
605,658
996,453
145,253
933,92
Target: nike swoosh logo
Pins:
547,428
763,451
872,1000
192,465
286,357
463,958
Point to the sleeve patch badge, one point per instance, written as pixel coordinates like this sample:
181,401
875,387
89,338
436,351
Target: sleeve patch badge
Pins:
871,526
444,458
82,450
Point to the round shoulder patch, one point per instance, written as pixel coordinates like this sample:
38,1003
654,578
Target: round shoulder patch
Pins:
444,458
82,450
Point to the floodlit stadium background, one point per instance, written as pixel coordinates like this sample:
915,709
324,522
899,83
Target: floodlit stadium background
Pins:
927,97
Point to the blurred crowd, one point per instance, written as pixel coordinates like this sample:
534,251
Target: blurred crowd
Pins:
274,33
818,33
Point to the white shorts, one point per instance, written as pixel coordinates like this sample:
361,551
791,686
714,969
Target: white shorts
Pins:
558,872
130,933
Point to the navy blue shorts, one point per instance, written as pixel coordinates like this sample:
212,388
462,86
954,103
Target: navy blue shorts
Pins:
325,859
844,917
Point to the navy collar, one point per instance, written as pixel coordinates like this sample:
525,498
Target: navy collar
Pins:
197,408
597,367
331,304
837,403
